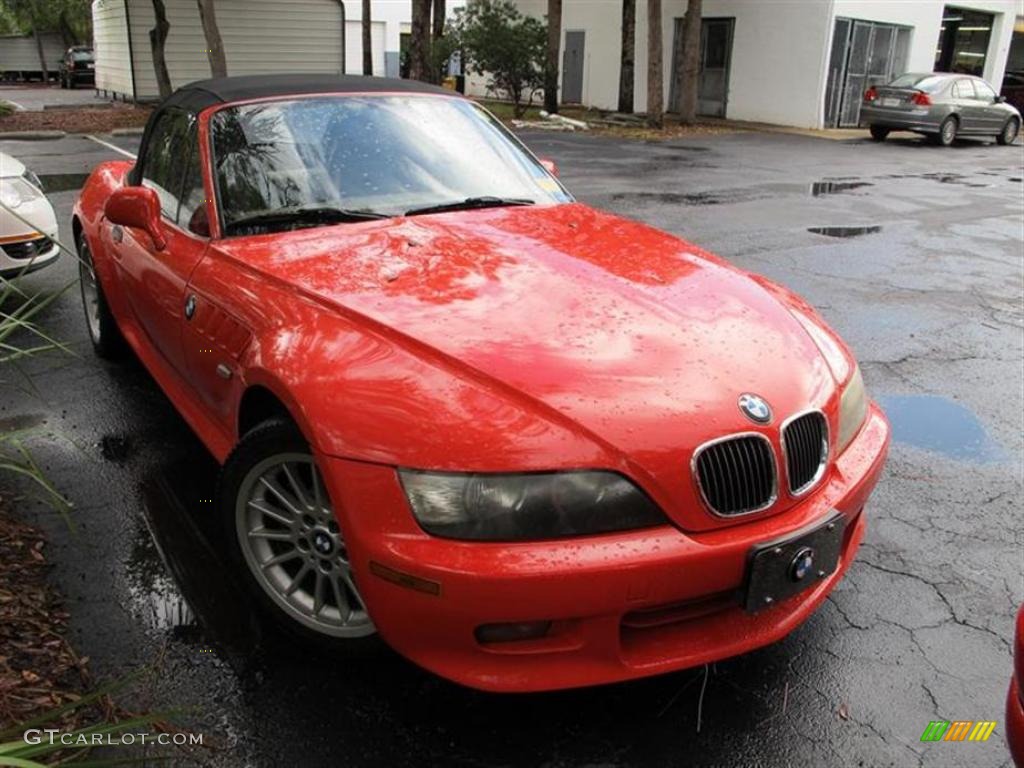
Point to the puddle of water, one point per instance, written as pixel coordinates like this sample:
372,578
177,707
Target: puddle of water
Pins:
201,598
155,598
62,182
115,448
940,425
844,231
819,188
712,197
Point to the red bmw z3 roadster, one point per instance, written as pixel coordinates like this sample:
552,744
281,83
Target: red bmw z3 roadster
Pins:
528,444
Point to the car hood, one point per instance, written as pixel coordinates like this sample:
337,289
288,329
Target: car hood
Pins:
601,324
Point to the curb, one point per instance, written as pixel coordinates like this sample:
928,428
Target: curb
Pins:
32,135
127,131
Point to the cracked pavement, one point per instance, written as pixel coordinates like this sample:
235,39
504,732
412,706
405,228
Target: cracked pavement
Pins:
919,630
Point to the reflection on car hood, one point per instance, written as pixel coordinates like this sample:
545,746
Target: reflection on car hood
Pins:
619,326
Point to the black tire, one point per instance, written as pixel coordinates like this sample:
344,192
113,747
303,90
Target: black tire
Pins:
947,132
106,338
262,444
1009,133
878,133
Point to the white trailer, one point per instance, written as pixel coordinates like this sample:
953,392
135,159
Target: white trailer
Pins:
259,36
19,56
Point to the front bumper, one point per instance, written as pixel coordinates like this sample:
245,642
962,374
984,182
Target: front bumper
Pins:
16,267
622,606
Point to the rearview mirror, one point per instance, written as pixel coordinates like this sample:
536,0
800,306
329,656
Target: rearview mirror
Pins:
137,207
549,166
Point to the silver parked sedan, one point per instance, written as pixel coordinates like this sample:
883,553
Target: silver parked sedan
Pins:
941,106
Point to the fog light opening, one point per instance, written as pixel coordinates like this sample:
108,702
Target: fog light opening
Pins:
488,634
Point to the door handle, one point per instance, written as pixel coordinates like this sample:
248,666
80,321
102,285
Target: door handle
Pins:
117,233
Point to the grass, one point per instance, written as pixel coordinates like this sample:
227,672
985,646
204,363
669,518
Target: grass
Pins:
5,109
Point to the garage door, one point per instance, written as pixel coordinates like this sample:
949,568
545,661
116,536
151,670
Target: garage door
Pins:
354,47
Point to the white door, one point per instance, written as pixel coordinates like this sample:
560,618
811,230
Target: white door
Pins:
354,47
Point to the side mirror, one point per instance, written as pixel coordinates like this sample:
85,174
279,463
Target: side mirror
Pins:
549,166
1000,99
137,207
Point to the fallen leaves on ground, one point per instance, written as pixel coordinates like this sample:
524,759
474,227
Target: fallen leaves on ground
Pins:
77,120
38,669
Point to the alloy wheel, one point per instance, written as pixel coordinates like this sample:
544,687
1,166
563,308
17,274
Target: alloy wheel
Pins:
90,292
1010,131
948,131
294,548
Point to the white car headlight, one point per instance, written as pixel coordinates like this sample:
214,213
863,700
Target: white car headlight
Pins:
853,409
525,507
15,190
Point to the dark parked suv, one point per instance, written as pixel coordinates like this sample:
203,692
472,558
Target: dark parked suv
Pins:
77,66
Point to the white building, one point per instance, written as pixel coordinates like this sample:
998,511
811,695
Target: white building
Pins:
791,62
259,36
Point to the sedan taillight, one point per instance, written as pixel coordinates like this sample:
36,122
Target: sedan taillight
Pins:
922,99
870,94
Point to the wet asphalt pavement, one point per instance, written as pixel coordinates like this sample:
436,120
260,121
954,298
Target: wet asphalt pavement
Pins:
912,252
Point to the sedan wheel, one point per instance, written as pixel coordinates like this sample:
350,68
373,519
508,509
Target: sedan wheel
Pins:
288,536
947,131
1009,132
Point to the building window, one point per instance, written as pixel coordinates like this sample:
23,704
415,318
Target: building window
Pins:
963,41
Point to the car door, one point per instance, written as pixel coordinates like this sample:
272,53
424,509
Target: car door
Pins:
966,105
155,279
990,115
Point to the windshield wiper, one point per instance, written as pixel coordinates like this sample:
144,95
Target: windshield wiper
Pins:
306,215
469,203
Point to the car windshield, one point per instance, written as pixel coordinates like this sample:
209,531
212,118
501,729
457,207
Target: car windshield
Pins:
81,55
926,83
385,155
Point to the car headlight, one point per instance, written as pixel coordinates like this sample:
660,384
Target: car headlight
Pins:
526,507
32,179
14,191
853,409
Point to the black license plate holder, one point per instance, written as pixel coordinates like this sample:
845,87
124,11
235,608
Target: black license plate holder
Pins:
774,567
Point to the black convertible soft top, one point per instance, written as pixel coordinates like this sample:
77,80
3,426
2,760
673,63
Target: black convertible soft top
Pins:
197,96
222,90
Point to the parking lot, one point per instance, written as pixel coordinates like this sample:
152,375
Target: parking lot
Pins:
912,252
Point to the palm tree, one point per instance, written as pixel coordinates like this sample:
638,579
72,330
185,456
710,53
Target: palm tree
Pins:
157,40
554,46
627,57
689,65
367,40
214,44
655,87
419,42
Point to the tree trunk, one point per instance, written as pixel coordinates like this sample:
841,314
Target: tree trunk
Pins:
214,45
66,33
157,39
690,63
627,58
554,49
367,39
42,54
440,11
655,86
419,42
